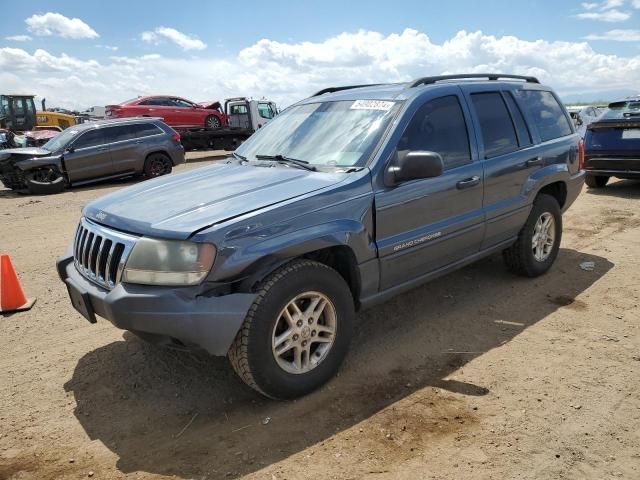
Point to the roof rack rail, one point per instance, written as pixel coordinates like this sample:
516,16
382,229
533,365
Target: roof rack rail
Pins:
464,76
347,87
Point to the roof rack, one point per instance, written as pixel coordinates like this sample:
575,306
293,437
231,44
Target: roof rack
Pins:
465,76
347,87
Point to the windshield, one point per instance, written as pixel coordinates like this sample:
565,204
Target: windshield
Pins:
61,140
337,134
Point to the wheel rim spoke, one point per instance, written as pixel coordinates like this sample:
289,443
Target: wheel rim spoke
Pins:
543,238
304,332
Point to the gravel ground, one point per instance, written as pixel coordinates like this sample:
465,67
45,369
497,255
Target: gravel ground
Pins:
476,375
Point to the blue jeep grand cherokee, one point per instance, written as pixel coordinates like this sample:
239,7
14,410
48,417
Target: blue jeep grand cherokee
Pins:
345,199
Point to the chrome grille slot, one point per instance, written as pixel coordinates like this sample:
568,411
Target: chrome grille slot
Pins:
100,253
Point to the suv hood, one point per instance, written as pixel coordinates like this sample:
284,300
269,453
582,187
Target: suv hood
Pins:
176,206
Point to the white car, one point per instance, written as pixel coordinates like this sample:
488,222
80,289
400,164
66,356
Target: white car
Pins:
582,116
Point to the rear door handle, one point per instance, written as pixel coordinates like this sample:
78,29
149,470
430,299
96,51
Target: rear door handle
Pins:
468,182
534,161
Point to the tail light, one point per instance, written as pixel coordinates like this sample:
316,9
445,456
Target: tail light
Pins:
581,155
175,137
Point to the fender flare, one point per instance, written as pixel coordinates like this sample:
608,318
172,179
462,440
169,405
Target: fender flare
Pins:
249,266
545,176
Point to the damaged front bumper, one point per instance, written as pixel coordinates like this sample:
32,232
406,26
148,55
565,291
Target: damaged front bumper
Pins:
177,316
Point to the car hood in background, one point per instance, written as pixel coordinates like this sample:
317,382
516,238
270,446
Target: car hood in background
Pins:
23,152
210,105
176,206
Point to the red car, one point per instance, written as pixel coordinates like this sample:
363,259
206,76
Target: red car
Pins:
175,111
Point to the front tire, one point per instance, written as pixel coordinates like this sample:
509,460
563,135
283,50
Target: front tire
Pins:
596,181
45,181
296,333
538,243
212,122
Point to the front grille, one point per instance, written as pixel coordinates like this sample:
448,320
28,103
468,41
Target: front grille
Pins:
100,253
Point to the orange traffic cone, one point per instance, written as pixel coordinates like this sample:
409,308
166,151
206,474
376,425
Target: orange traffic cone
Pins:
12,297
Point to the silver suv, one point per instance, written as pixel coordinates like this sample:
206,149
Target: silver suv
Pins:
91,152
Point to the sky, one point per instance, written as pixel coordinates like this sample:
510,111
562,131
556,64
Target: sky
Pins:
80,53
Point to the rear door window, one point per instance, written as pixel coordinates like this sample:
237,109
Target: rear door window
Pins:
547,114
439,126
151,101
498,132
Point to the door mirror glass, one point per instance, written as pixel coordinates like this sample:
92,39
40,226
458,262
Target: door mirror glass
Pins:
70,149
408,165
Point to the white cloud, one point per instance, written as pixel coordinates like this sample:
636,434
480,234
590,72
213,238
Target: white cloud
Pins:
55,24
606,11
108,47
18,38
287,72
635,3
610,16
618,35
607,4
179,38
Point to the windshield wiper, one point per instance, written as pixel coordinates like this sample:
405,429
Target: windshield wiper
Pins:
292,161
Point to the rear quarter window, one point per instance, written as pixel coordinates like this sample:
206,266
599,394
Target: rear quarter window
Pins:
546,113
146,129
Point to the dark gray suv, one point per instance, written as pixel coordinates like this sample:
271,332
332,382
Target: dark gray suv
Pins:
343,200
93,151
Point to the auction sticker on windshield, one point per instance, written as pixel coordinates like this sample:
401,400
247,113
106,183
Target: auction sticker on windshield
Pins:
372,105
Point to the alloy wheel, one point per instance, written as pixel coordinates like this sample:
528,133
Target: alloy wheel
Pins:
544,235
304,332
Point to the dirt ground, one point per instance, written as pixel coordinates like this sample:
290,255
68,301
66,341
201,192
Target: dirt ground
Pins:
478,375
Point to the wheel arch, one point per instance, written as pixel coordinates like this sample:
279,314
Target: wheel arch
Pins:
557,190
339,257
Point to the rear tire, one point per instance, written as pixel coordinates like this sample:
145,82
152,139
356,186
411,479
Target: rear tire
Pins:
156,165
297,332
538,243
45,181
596,181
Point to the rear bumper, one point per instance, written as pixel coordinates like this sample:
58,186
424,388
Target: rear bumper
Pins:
164,313
177,155
574,187
615,173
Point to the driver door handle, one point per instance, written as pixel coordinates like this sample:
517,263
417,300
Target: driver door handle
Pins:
468,182
534,161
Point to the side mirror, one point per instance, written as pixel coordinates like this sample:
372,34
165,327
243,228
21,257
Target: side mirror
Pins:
70,149
408,165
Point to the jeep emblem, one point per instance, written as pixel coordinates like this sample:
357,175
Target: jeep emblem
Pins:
101,216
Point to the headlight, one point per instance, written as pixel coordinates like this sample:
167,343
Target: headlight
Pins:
168,262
